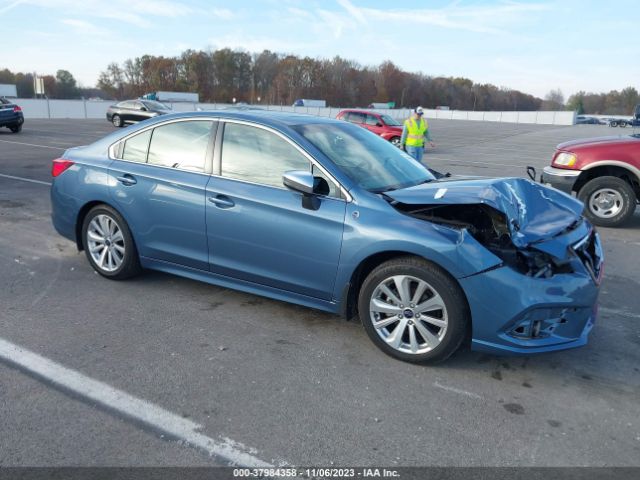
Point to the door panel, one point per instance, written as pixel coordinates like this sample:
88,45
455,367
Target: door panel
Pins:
165,209
165,203
263,234
257,229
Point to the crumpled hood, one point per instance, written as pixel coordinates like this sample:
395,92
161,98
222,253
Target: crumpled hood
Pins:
534,212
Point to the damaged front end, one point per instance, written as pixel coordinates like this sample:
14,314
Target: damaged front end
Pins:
530,228
542,295
489,227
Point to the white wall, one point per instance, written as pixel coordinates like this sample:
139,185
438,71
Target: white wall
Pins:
42,108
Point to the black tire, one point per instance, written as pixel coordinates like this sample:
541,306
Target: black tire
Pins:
395,141
130,263
117,121
440,283
613,124
623,202
16,128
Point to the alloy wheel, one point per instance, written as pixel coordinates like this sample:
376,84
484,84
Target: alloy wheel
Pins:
105,242
408,314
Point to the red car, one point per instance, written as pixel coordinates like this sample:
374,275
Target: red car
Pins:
379,123
605,174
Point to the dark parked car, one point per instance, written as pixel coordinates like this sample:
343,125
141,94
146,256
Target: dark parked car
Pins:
604,172
582,119
379,123
132,111
321,213
10,115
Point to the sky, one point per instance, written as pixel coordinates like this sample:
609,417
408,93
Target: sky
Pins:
533,46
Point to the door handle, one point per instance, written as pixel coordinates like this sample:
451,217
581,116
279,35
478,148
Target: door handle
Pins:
127,179
222,201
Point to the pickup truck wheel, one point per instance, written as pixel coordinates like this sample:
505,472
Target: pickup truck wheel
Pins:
412,310
609,201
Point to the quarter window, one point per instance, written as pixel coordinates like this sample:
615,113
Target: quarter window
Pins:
256,155
181,145
135,148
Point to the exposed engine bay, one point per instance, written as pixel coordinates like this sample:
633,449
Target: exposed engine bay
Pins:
489,227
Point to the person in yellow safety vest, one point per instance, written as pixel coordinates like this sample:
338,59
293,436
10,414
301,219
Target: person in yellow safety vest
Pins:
414,134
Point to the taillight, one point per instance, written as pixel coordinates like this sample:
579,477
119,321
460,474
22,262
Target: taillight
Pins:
16,109
60,165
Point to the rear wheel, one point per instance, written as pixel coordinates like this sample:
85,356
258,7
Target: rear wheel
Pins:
117,121
109,245
16,128
609,201
413,311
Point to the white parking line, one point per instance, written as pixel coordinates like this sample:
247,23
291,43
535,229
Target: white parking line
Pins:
22,179
34,145
457,390
152,416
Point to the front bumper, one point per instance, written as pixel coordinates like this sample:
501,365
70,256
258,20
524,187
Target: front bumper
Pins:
514,314
560,178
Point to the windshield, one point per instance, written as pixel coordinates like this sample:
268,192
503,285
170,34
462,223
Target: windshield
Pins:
153,105
367,159
390,120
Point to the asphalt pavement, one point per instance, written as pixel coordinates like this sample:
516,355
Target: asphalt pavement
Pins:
245,375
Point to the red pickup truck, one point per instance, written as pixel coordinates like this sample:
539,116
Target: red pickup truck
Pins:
605,174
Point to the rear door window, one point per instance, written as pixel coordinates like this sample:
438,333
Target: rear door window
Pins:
181,145
372,120
355,117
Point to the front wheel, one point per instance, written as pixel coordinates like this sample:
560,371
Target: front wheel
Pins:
109,245
117,121
395,141
413,311
609,201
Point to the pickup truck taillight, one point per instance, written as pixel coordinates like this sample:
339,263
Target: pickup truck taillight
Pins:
59,165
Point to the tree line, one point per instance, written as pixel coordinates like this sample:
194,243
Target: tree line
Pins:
62,85
613,103
268,77
219,76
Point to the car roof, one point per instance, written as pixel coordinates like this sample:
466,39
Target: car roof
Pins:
359,110
265,117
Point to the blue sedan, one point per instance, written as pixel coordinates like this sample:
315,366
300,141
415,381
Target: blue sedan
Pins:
325,214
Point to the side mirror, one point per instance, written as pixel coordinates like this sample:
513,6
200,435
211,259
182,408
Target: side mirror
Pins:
309,186
299,181
379,124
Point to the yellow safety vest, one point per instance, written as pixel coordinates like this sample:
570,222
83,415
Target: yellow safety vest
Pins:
415,131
